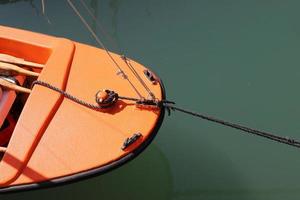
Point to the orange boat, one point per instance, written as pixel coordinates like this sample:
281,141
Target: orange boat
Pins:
88,111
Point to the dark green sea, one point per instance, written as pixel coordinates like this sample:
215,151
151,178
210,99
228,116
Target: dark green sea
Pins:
234,59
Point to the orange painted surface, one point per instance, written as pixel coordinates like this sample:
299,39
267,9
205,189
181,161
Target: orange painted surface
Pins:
56,137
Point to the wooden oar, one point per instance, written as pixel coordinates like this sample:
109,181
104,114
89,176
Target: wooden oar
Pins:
10,69
2,149
19,61
12,86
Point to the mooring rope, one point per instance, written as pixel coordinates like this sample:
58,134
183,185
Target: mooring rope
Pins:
169,105
268,135
92,106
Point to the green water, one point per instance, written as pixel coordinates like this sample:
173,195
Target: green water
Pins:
235,59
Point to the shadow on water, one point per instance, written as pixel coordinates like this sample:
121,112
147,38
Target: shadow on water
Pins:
199,169
147,177
94,4
151,176
14,1
31,2
114,6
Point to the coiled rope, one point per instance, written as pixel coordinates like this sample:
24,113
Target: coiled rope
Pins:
169,105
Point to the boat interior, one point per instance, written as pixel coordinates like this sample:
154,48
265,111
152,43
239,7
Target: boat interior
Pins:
18,69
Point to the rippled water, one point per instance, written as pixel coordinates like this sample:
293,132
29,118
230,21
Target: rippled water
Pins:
235,59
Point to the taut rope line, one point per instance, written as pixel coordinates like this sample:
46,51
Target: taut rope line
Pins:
127,61
111,40
120,71
268,135
169,105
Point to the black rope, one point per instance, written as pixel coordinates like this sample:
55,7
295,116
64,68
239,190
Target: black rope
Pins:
169,105
67,95
271,136
79,101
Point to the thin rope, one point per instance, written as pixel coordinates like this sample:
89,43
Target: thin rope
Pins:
128,63
150,93
44,12
120,71
43,7
111,40
270,136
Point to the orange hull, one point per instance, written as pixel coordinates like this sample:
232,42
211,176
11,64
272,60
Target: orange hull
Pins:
56,140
